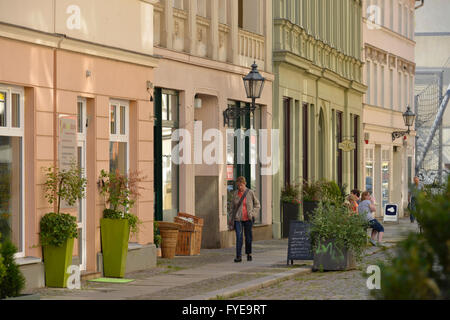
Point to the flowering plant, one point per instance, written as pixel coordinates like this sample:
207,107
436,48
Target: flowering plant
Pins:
291,193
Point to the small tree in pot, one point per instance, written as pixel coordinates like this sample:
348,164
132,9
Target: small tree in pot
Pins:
58,230
338,237
290,201
120,194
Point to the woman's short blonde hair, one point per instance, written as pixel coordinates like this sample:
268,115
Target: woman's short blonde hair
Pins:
364,194
241,180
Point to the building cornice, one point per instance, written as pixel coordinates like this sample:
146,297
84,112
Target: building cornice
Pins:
316,72
58,41
173,55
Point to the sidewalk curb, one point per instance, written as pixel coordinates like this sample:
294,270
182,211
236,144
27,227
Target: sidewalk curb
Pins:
250,285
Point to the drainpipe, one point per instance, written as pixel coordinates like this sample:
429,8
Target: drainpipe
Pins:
55,113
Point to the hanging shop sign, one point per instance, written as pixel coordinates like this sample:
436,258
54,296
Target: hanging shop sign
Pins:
347,145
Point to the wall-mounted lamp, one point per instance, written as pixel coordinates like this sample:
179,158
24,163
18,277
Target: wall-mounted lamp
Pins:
197,102
253,84
150,87
88,73
408,118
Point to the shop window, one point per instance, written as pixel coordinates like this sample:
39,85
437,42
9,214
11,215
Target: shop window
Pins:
119,144
12,166
368,170
385,176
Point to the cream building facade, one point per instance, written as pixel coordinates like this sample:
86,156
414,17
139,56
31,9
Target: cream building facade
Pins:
205,48
74,60
388,37
318,93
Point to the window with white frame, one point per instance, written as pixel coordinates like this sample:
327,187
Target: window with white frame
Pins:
385,176
12,166
118,136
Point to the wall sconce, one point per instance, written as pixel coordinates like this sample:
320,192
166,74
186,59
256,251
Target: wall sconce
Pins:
408,118
150,87
197,102
88,73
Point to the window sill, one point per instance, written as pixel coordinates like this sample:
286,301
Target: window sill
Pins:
27,260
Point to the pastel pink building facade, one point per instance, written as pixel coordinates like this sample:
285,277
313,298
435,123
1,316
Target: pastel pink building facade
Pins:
60,66
388,37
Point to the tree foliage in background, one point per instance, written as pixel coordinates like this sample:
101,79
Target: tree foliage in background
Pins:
421,267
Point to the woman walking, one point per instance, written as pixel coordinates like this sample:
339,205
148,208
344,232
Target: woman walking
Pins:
245,205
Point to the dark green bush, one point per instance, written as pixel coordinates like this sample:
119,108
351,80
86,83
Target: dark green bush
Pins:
56,228
13,281
421,267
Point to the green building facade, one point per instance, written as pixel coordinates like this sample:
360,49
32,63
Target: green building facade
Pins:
318,93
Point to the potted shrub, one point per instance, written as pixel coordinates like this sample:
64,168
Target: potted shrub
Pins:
338,237
12,282
312,193
58,230
290,202
118,223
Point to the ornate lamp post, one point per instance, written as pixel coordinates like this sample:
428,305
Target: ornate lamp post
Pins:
408,118
254,84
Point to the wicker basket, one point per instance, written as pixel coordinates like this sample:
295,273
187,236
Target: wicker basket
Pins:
190,235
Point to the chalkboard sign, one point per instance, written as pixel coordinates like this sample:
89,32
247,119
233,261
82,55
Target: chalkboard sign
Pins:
299,244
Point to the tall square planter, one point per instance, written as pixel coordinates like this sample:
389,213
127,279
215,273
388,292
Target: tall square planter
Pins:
115,234
56,262
308,209
291,211
330,257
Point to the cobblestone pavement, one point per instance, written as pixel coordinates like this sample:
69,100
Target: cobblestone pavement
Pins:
188,276
342,285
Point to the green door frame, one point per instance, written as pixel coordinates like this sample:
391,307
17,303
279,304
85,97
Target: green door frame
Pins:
158,178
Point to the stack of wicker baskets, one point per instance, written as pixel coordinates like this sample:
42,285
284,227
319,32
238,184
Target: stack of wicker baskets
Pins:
190,234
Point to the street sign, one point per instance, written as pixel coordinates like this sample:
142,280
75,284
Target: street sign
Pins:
390,212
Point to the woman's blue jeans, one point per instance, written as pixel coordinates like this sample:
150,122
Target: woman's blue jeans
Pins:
241,228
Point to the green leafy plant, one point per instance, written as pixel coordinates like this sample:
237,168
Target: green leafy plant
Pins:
156,236
337,223
13,281
61,185
421,267
120,192
2,265
291,193
333,193
312,190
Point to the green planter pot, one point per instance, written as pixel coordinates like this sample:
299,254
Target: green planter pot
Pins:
115,234
56,262
291,211
329,257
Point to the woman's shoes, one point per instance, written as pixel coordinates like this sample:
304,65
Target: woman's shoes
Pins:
238,259
249,257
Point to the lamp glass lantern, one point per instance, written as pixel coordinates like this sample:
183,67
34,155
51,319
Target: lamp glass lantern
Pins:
409,117
254,83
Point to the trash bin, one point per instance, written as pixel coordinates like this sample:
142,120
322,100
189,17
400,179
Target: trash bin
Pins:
169,235
190,235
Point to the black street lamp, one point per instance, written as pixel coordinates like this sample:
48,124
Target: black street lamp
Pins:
408,118
254,84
